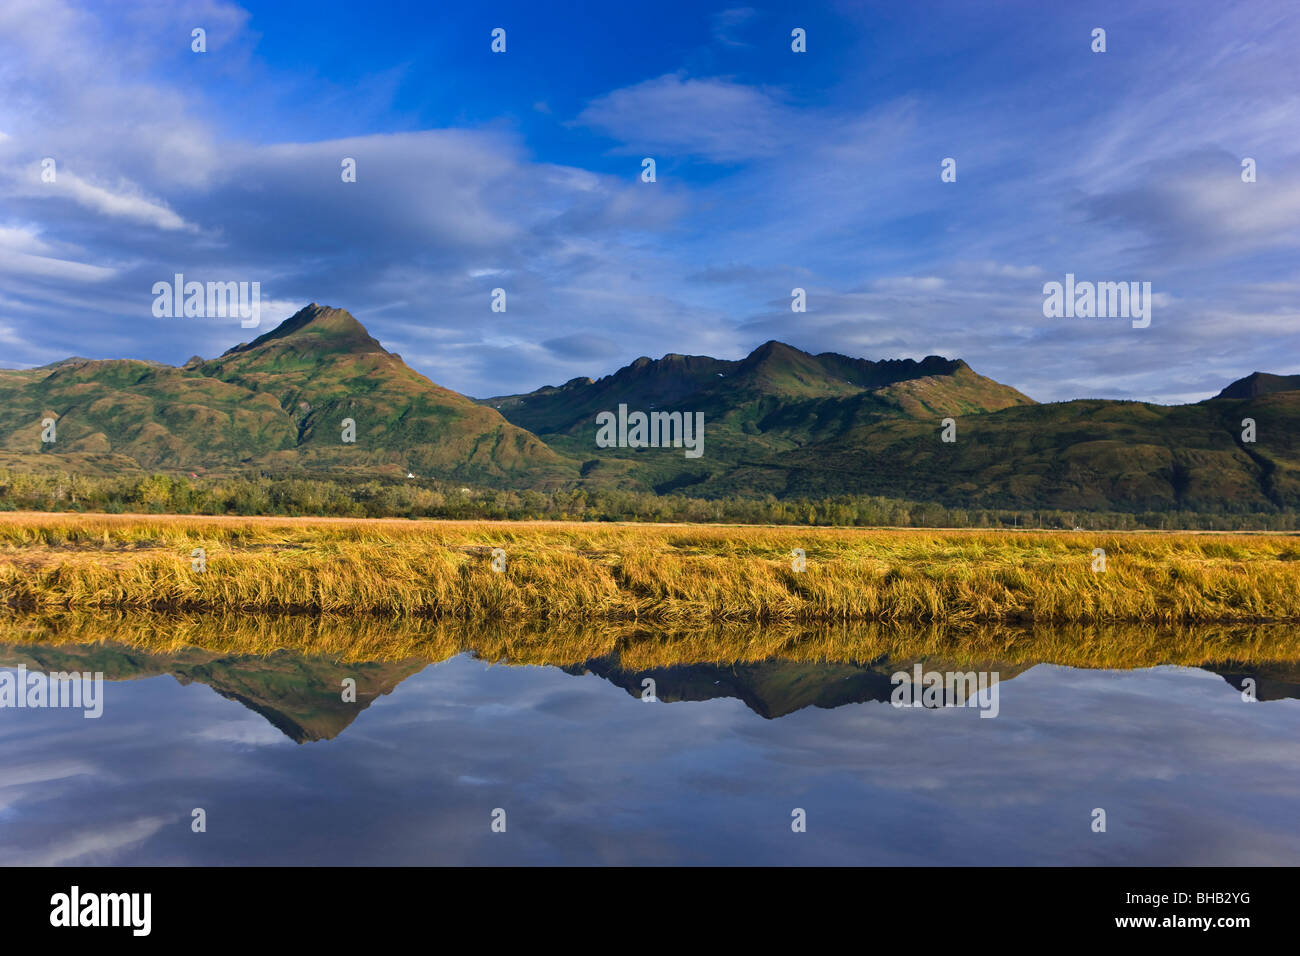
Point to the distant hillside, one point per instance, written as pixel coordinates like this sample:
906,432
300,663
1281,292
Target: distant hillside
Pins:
779,422
1260,383
775,400
1099,455
772,375
786,423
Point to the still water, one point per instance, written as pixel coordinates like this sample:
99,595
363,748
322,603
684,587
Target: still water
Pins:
712,770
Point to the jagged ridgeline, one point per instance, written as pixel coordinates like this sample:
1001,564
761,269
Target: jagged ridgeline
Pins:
779,422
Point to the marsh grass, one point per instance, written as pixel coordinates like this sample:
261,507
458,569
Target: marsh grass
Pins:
638,647
671,576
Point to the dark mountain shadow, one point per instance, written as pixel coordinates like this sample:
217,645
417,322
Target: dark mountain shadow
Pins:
775,688
1280,681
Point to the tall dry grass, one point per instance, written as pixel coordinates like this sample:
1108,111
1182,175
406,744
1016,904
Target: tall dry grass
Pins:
669,575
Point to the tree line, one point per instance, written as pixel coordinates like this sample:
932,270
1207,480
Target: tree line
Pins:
379,498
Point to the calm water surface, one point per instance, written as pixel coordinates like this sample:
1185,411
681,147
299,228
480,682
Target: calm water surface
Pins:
587,772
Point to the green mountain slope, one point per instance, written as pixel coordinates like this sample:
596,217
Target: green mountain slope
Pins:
276,404
1102,455
774,400
785,423
322,367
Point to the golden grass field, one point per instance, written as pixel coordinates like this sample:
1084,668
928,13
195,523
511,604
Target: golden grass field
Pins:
670,576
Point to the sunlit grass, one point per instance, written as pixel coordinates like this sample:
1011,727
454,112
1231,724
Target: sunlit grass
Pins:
669,575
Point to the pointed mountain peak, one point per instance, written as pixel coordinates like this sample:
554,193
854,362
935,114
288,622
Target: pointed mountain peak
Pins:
774,358
772,349
326,329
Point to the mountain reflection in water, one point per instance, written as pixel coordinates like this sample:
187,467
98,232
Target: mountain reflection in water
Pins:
300,694
450,723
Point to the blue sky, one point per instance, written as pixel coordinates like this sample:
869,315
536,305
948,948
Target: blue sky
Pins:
775,170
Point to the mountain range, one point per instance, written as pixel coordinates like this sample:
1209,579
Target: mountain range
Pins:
778,422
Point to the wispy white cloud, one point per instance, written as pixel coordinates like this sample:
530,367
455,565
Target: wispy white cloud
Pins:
709,118
729,23
45,267
126,202
98,844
